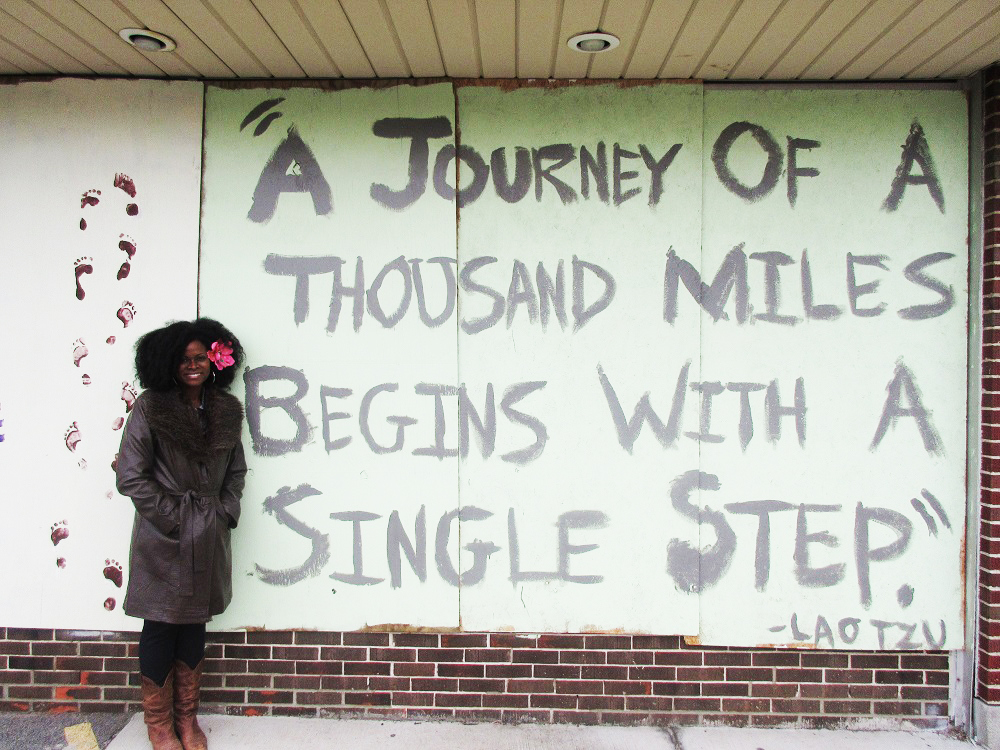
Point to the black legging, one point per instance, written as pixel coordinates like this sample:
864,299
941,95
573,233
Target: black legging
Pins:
161,644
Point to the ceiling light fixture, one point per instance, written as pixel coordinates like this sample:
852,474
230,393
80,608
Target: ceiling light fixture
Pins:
148,41
593,42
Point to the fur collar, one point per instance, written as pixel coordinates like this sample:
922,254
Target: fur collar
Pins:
173,421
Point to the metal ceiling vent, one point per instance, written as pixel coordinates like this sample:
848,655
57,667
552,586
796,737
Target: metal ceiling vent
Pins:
148,41
593,42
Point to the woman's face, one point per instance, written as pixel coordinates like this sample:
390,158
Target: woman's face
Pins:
195,366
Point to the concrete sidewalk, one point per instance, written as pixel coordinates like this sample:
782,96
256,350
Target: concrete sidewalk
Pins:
269,733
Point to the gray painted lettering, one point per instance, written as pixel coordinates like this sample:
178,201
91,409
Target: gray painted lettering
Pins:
762,556
772,170
854,290
914,274
795,171
814,311
916,149
277,505
657,168
597,166
253,379
356,292
451,293
465,280
582,313
864,555
823,630
774,411
732,274
849,628
511,191
707,391
903,382
772,288
437,391
472,159
486,426
481,551
418,130
301,268
828,575
357,577
935,644
628,431
547,292
578,519
746,418
695,570
278,177
881,626
513,395
375,305
363,424
521,292
516,574
560,153
619,176
396,540
326,392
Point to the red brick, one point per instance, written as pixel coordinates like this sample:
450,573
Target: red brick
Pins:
530,686
554,701
556,671
461,670
366,639
458,699
465,640
418,640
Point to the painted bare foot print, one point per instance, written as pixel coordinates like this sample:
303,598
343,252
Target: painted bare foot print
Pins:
85,379
60,562
124,182
114,463
113,572
83,223
118,423
81,267
59,532
82,463
80,351
124,270
132,209
90,198
72,437
128,395
127,245
109,603
126,313
110,340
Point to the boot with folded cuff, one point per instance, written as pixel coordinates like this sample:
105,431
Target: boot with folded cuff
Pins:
158,713
186,697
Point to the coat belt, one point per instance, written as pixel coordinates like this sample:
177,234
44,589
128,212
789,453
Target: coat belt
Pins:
194,556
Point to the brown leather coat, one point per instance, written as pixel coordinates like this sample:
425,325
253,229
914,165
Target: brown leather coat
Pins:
185,483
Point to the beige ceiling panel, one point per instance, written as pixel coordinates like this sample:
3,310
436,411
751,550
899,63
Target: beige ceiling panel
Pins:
983,32
907,28
859,31
8,68
337,37
19,58
415,30
377,37
26,38
945,30
982,58
657,37
496,22
298,37
787,43
696,40
77,33
219,36
104,37
252,31
113,18
537,28
750,19
578,17
191,52
624,19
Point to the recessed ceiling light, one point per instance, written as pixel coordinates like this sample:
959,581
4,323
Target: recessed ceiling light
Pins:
593,42
148,41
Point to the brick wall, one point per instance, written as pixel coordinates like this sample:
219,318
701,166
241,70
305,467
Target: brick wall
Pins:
988,687
584,679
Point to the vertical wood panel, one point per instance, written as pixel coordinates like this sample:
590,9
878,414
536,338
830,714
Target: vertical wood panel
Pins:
496,22
657,36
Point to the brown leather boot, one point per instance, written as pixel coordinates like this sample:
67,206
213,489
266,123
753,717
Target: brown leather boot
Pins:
187,690
158,713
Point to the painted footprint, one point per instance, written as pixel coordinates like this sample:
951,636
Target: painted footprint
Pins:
118,423
72,437
82,463
113,572
123,271
109,603
90,198
81,267
114,463
132,209
80,351
110,340
124,182
85,379
60,562
127,245
59,532
126,313
128,395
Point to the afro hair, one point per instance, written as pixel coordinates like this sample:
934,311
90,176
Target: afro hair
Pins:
158,354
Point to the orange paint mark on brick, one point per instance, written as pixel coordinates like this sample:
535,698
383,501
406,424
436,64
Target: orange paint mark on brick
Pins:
20,706
63,694
268,694
84,678
253,712
64,709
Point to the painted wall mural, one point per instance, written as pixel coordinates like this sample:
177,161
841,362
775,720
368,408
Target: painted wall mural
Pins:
657,358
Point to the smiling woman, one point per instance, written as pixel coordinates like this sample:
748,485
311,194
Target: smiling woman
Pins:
181,462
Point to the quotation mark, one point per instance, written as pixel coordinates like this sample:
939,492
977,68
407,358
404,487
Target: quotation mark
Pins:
928,518
259,110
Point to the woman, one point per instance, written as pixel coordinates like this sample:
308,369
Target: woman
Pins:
181,462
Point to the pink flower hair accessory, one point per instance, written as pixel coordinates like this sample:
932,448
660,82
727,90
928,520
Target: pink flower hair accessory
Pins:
221,355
